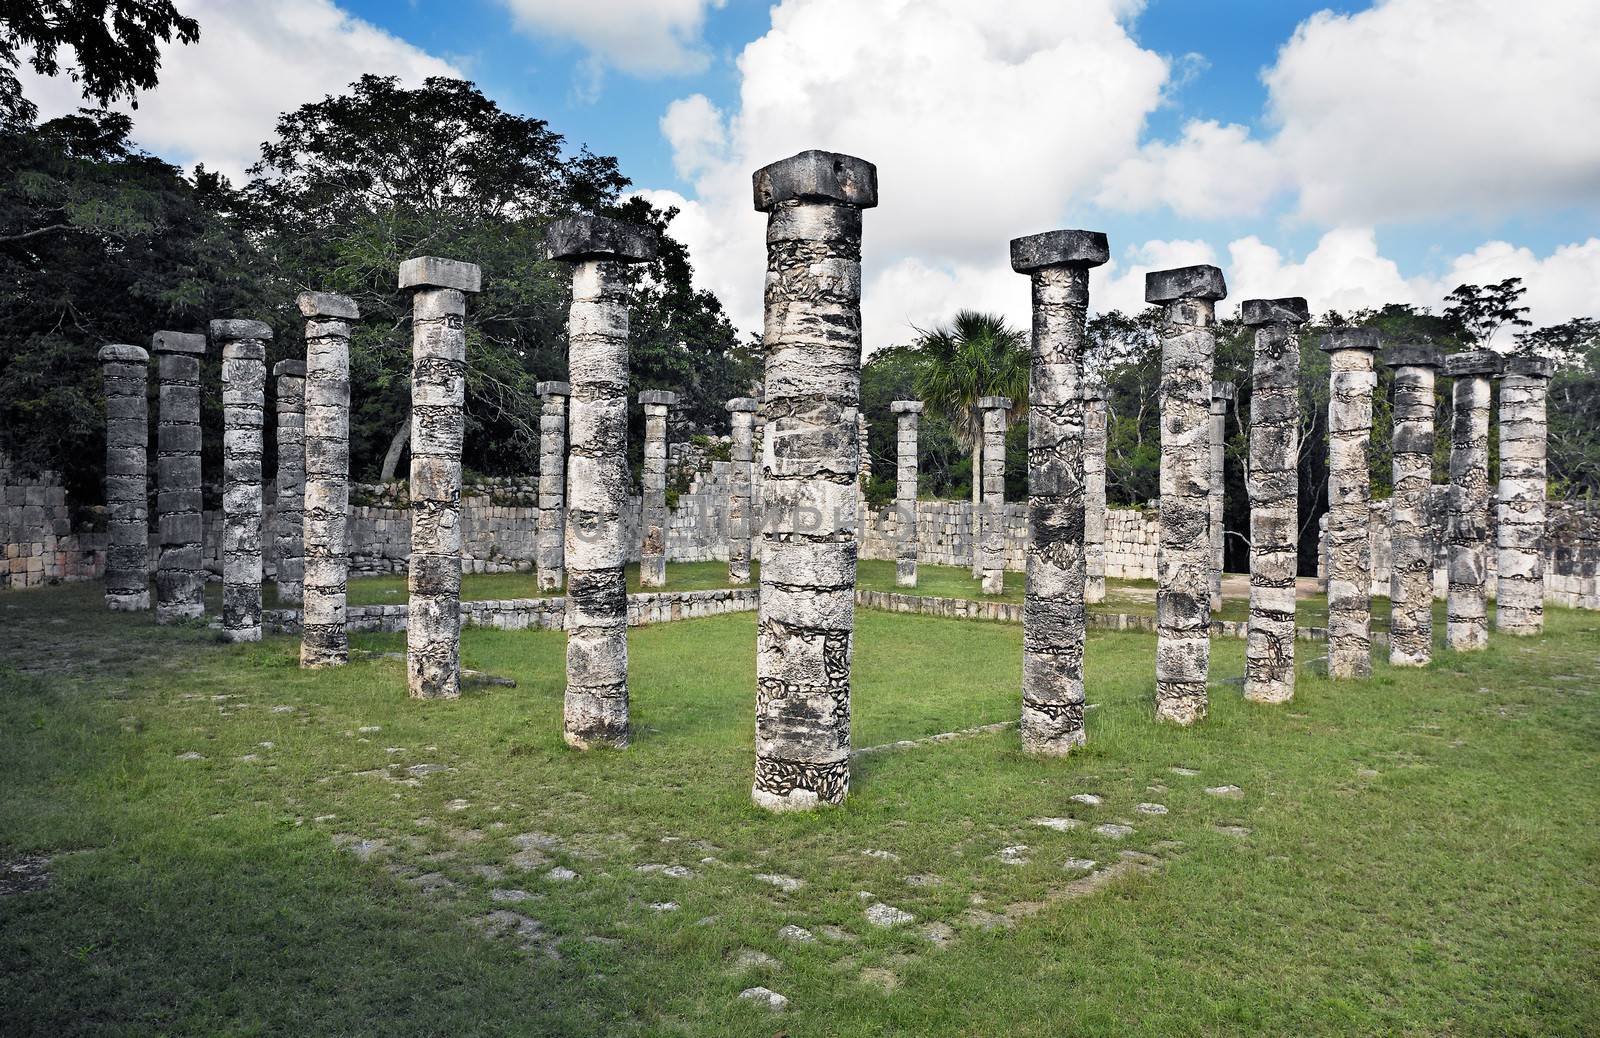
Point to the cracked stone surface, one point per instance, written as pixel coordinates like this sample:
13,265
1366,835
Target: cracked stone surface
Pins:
1221,394
288,540
1015,855
550,526
244,380
992,523
787,884
1520,515
1151,809
1094,492
765,997
180,567
1079,864
324,641
1467,530
1225,791
742,418
657,405
908,414
1349,562
1086,798
126,372
885,916
1410,532
1060,825
797,934
1114,830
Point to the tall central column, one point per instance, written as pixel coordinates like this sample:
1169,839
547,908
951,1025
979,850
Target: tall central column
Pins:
1467,601
992,516
324,641
596,705
1274,489
1410,532
1222,393
909,413
439,289
288,543
810,467
244,381
1094,491
549,549
1519,531
1350,384
741,412
653,513
126,370
1057,264
1183,594
180,564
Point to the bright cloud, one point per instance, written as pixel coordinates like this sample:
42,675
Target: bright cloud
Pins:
1213,171
643,37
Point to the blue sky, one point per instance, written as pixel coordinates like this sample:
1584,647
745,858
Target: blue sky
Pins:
1355,153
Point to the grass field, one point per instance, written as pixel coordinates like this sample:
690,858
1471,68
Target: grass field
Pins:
235,846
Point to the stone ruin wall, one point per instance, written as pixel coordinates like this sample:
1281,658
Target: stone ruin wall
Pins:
41,543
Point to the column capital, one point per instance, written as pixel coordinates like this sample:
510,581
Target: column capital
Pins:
906,406
1467,363
744,404
1336,339
1288,310
333,305
289,368
579,238
1221,391
1410,355
657,397
121,353
1529,367
1198,282
435,272
178,342
553,389
240,329
816,176
994,403
1035,252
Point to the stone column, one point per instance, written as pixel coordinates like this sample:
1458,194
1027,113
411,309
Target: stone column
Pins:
1350,384
1410,532
1058,264
1183,594
992,533
811,467
549,551
244,382
324,641
905,491
439,290
596,705
288,545
180,563
126,370
653,513
1094,492
742,411
1467,532
1222,394
1519,530
1274,489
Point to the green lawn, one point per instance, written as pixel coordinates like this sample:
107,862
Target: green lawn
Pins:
1415,854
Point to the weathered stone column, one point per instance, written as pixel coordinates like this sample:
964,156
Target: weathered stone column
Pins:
741,411
180,563
1410,532
992,516
1057,264
596,706
653,513
438,421
126,370
324,641
289,508
1222,394
811,467
1467,533
1350,384
244,382
549,549
1519,530
1094,492
1183,593
909,413
1274,489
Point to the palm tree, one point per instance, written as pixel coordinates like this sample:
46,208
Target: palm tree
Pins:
975,355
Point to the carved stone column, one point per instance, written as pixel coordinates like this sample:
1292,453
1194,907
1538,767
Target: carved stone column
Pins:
741,412
653,513
288,542
596,706
1350,385
439,290
1222,394
1183,594
244,382
1467,602
1519,530
1057,264
1094,492
126,371
324,642
180,562
909,413
811,469
1410,532
550,531
994,531
1274,489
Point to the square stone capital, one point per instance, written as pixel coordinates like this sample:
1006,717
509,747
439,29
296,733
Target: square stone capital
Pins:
600,238
1198,282
234,329
744,403
289,368
1530,367
990,403
1288,310
1059,249
177,342
816,176
660,397
906,406
434,272
1473,362
121,353
1223,391
1336,339
327,305
1092,390
553,389
1411,355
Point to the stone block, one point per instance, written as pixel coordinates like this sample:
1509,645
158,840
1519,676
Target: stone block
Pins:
816,176
1288,310
600,238
1335,339
1198,282
436,272
233,329
178,342
1059,249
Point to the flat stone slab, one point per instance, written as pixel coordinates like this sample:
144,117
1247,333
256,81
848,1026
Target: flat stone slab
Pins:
796,934
787,884
178,342
1059,249
1288,310
1151,809
1202,281
1114,830
1060,825
1225,791
816,176
1079,864
437,272
1086,798
600,238
332,304
765,997
1015,855
886,916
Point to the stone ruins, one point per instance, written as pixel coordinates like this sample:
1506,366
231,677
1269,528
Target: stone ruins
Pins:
992,515
1519,562
244,381
1350,384
742,412
907,413
180,577
126,371
1412,549
552,522
657,403
1467,606
289,548
326,504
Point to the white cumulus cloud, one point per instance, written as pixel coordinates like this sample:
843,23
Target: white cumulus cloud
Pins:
1213,171
644,37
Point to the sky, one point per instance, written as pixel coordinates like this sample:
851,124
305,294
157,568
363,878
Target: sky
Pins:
1353,153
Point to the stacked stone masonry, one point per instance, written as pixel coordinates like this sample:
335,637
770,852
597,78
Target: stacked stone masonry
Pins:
126,370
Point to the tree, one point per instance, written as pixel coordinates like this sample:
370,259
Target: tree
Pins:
1479,311
892,374
116,43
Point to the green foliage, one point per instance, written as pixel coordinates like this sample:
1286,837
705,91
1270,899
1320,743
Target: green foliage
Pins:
944,469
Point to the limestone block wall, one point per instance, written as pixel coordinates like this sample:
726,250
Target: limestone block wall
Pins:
41,545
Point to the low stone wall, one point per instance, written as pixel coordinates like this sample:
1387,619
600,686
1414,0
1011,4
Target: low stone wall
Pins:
520,614
945,537
41,545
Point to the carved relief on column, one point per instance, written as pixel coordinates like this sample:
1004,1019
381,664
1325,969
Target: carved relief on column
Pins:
1350,385
1410,532
1467,534
1519,530
324,641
